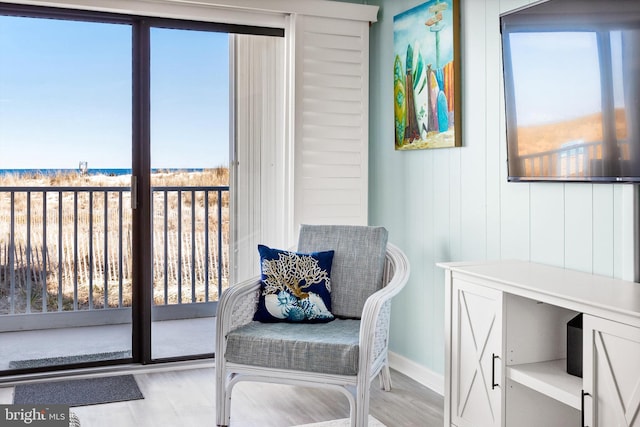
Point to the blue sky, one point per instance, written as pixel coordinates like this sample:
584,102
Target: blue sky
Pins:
65,96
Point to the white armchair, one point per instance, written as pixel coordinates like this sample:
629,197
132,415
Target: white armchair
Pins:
345,354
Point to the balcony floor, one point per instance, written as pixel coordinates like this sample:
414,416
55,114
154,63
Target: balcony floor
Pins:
170,338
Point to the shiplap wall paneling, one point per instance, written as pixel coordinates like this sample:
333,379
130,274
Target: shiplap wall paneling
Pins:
492,89
547,223
440,243
515,220
473,153
455,203
331,121
630,233
624,231
603,238
578,228
418,213
425,219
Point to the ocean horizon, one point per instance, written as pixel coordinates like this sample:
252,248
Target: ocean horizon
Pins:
97,171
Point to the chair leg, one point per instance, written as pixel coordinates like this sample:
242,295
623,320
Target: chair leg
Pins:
385,378
362,408
223,401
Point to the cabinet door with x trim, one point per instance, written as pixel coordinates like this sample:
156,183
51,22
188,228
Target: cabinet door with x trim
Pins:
477,393
611,373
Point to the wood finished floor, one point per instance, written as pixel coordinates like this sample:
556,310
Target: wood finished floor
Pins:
185,397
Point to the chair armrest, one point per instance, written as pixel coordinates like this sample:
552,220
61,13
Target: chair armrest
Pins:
236,307
374,329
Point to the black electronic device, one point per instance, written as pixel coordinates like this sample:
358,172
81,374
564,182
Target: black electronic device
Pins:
572,91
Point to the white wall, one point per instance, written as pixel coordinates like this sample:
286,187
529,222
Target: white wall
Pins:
456,204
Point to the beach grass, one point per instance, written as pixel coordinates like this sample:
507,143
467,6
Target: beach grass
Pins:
71,250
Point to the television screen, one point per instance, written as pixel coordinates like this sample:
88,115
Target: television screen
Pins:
572,91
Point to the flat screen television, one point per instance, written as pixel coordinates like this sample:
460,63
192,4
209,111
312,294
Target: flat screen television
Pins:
572,91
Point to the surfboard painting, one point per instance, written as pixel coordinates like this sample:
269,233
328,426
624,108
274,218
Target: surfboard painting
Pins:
426,76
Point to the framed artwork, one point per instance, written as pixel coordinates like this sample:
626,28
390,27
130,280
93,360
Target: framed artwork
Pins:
426,76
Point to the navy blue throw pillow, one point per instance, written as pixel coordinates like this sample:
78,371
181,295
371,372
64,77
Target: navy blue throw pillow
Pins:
295,287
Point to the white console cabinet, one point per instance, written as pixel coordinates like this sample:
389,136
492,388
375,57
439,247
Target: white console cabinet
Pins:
506,347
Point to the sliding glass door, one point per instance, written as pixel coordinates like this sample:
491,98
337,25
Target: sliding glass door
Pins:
116,201
217,126
190,187
65,196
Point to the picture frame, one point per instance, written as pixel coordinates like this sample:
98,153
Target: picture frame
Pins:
427,93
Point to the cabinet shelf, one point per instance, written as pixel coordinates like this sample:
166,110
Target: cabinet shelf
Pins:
549,378
519,311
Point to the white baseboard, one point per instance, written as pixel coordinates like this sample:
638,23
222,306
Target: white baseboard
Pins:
417,372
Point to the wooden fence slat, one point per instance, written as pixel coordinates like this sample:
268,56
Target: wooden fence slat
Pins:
47,267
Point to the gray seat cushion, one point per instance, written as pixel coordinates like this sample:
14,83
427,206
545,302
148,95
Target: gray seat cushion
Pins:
314,347
358,262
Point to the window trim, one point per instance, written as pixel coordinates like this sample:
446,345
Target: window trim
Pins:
70,14
271,13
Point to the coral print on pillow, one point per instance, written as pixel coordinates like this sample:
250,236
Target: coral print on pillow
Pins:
295,287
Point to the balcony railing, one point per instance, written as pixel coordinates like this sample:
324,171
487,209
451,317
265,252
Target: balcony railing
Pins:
565,161
68,249
570,160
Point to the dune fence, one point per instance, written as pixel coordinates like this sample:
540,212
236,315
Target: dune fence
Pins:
69,248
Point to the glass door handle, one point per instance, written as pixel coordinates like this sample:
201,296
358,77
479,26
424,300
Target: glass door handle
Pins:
134,192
